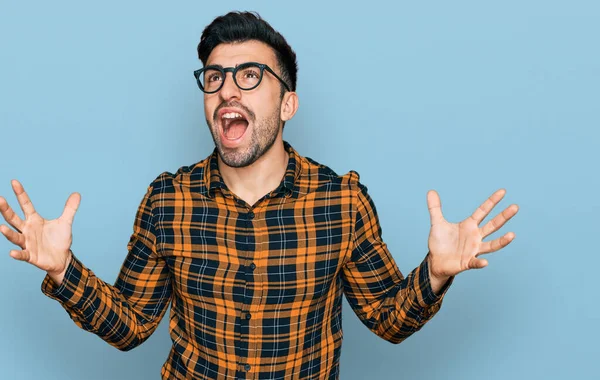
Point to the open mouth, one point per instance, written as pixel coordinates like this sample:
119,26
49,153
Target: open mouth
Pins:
234,125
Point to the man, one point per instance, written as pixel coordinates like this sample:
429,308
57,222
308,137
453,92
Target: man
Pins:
254,245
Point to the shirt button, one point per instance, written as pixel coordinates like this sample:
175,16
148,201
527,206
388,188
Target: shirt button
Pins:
248,315
250,215
253,266
247,367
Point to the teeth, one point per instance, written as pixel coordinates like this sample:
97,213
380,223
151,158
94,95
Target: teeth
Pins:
232,115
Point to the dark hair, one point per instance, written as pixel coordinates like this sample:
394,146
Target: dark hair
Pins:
246,26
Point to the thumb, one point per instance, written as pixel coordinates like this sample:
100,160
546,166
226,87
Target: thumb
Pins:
435,207
71,208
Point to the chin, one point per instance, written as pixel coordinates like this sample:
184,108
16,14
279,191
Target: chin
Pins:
237,157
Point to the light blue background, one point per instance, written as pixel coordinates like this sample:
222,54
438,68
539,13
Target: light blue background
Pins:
464,97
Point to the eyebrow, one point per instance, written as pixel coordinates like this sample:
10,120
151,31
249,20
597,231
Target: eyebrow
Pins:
217,66
221,66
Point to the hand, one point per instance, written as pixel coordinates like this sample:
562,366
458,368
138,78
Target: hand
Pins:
455,248
44,243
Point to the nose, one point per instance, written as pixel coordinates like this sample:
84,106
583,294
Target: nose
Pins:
229,90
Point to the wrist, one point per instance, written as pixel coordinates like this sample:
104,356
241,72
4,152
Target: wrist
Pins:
436,281
58,276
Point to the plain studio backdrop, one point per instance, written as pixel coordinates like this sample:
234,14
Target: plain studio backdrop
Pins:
464,97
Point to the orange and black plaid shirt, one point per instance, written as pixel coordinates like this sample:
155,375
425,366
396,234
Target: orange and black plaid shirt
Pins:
255,290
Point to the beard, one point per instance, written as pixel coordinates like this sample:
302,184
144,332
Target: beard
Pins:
264,134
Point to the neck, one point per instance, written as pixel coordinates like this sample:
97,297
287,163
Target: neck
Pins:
252,182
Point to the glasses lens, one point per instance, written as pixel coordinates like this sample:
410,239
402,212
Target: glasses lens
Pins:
211,80
248,76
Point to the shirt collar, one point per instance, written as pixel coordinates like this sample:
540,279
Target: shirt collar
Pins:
214,180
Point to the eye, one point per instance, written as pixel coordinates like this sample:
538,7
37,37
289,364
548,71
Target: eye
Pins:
251,73
214,77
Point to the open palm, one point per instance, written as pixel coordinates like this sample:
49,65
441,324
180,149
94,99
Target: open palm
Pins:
43,243
455,247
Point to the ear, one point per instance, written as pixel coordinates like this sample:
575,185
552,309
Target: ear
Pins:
289,105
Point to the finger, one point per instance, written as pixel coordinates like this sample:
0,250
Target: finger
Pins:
496,244
435,207
23,199
500,219
487,206
477,263
71,208
10,215
22,255
12,236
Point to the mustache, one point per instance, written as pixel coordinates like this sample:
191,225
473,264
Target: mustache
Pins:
234,104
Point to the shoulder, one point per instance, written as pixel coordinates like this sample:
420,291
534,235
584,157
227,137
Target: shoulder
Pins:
316,176
191,177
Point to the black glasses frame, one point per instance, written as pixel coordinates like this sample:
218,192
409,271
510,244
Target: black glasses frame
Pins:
234,70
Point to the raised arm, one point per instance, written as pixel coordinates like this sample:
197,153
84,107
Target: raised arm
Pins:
125,314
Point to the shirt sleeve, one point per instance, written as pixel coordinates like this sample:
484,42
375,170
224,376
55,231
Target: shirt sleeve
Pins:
389,304
127,313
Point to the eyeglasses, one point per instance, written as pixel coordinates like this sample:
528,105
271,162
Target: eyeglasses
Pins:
246,76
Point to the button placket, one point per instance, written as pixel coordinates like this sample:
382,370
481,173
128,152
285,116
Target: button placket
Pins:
246,217
252,302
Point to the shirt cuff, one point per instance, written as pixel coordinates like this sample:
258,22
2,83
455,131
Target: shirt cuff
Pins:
71,291
425,295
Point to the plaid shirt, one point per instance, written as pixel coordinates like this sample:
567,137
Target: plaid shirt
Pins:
256,290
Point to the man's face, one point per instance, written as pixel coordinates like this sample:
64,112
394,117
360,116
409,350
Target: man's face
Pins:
244,124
